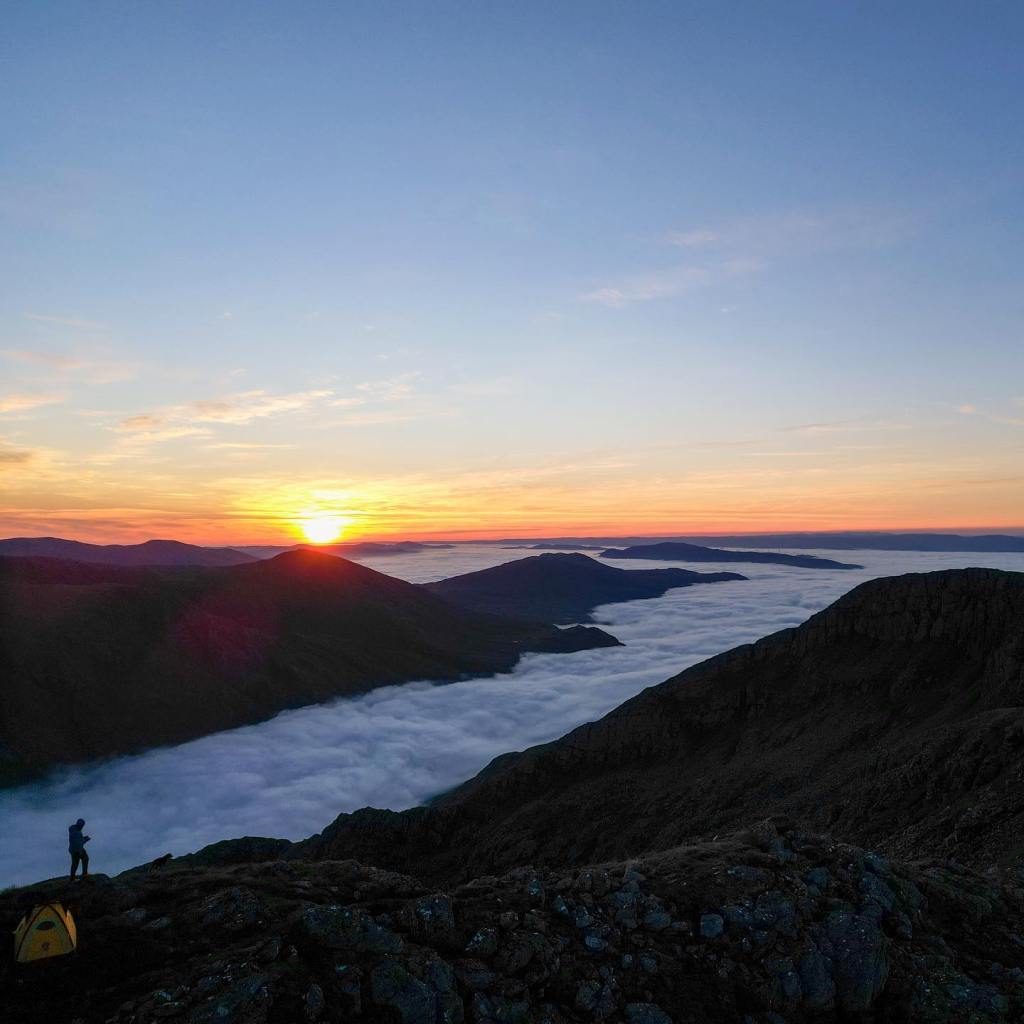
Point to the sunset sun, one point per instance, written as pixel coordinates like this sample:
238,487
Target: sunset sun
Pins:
323,529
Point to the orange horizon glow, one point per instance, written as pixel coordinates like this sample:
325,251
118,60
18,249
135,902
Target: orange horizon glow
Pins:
708,493
330,530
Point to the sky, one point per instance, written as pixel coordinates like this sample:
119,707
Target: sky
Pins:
468,270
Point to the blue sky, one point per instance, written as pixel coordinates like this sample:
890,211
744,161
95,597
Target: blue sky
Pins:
440,267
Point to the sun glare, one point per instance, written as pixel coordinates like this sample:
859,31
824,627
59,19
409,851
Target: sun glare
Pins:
323,529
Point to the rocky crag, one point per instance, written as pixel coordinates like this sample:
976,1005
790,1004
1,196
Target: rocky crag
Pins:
772,925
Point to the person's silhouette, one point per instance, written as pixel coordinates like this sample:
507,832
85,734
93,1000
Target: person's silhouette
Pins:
76,847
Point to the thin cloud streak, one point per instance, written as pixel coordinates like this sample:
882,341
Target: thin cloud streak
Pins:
87,369
18,403
66,321
752,244
236,409
660,284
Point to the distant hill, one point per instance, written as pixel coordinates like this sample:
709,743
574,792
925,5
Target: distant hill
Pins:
355,549
870,541
554,546
150,552
675,551
562,587
97,660
370,547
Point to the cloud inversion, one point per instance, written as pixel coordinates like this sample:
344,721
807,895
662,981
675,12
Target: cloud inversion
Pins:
397,746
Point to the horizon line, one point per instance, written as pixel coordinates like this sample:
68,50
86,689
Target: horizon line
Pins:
459,537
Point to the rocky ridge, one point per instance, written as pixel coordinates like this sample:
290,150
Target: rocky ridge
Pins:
772,925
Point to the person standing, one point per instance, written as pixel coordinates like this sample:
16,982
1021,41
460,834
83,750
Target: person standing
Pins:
76,847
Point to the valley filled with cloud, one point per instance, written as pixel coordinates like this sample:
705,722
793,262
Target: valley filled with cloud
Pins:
398,746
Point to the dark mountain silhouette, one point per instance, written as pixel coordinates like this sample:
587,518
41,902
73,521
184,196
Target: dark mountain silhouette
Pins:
553,546
98,661
150,552
675,551
562,588
867,540
871,541
628,872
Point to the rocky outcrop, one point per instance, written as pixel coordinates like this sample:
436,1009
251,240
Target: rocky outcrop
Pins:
562,588
771,924
99,660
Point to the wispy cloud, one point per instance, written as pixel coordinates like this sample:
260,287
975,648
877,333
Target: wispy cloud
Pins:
89,369
699,236
659,284
244,446
391,389
11,457
751,244
18,403
787,232
237,409
1006,420
66,321
845,426
381,417
50,359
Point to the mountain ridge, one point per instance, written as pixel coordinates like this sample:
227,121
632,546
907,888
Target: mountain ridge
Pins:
146,553
221,647
895,716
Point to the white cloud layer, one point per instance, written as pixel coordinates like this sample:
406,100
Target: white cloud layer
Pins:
397,746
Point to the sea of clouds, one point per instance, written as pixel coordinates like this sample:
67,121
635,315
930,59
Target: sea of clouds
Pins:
397,746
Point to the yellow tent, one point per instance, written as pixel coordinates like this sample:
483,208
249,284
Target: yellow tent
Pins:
48,931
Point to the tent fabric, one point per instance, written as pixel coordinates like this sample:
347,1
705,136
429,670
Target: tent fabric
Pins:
48,931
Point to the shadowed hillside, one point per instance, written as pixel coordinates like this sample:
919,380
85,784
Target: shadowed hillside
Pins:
894,717
99,661
562,588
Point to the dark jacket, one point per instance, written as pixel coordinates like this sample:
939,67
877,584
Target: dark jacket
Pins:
76,841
